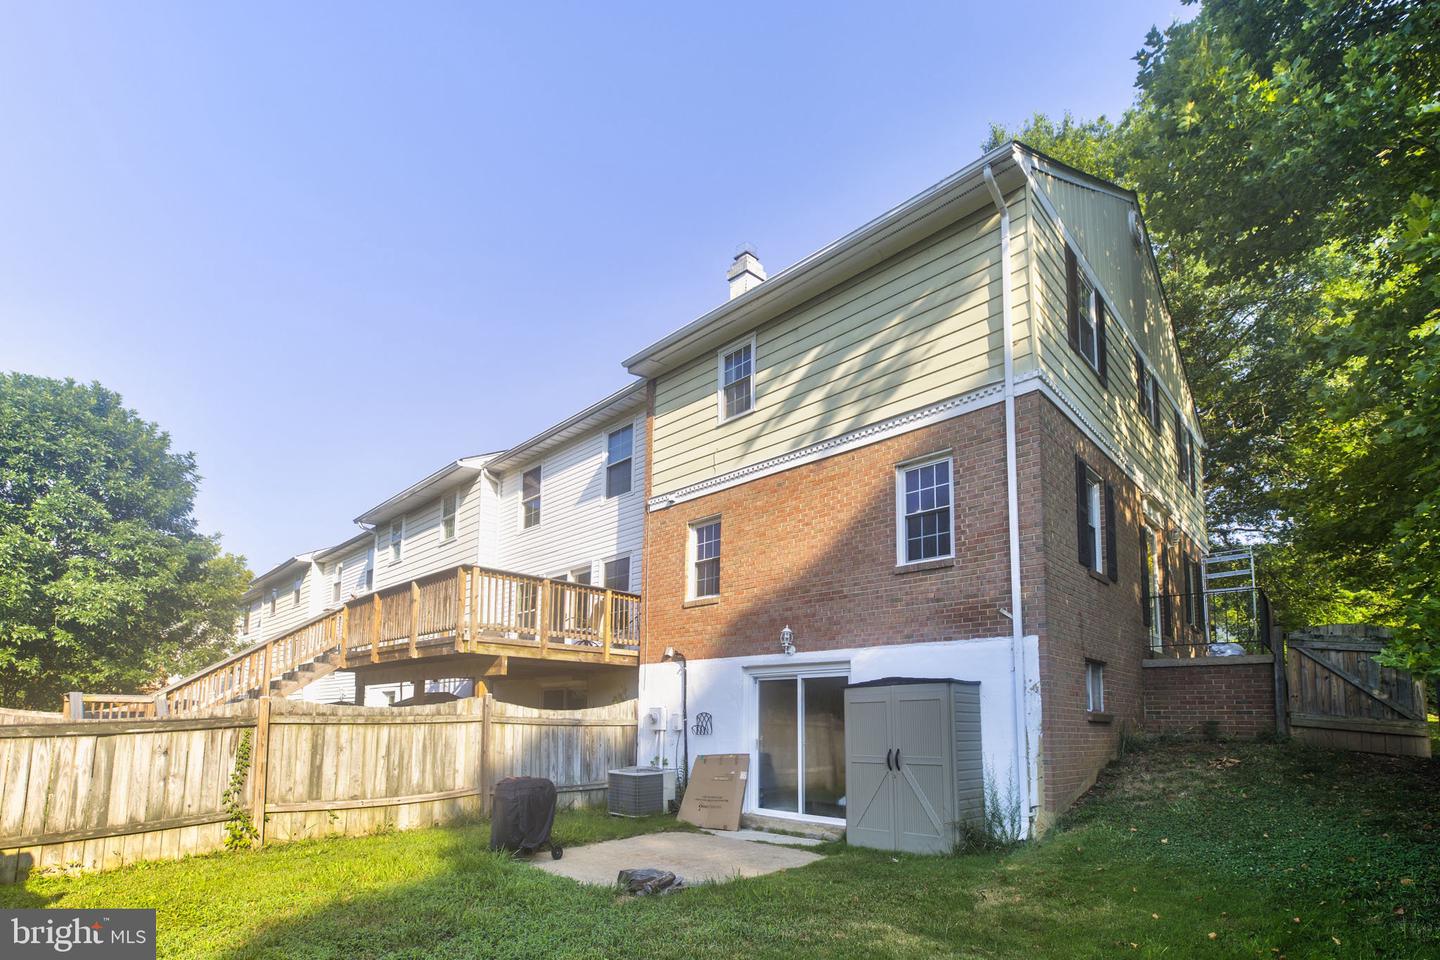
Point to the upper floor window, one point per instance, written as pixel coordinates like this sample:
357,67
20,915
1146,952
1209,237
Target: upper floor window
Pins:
737,380
1185,453
1086,312
1095,521
369,578
617,574
448,505
619,455
274,598
705,559
337,584
1191,463
530,498
245,621
1149,388
925,521
396,538
295,592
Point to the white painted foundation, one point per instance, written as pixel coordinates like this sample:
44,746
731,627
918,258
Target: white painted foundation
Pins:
725,688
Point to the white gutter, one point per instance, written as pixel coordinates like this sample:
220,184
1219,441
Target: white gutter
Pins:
1012,493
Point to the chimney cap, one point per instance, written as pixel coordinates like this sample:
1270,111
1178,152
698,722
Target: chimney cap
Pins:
741,249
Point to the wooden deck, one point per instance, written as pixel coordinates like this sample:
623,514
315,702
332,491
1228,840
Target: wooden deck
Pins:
467,609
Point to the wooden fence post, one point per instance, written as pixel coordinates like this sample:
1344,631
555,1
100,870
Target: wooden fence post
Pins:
260,760
486,754
74,708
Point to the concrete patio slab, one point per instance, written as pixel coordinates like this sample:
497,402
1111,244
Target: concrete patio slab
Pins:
696,857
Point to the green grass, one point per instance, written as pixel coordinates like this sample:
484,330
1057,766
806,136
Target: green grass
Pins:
1188,850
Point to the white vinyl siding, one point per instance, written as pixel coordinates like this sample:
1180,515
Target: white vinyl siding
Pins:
582,526
1114,413
427,549
919,328
292,592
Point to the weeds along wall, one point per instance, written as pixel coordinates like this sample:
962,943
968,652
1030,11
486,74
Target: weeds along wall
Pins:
96,795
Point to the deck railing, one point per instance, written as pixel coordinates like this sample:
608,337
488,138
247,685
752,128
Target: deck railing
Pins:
467,609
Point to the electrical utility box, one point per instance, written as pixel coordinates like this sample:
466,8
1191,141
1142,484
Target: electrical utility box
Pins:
913,769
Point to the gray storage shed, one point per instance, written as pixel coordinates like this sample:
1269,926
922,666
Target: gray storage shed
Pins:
913,770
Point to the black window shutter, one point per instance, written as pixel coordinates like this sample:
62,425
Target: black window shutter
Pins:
1112,561
1140,385
1082,510
1190,457
1072,297
1180,444
1101,351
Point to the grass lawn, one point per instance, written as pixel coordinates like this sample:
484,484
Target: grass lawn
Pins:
1208,850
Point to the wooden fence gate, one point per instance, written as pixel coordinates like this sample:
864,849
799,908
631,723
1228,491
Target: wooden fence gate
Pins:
1341,697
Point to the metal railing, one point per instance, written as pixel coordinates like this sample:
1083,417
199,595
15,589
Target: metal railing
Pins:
1230,621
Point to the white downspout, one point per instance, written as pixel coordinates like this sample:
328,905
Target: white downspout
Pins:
1012,494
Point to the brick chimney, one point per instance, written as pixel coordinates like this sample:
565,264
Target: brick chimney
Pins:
745,273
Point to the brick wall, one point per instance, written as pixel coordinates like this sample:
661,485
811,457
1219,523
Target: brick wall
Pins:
1086,616
813,548
1235,695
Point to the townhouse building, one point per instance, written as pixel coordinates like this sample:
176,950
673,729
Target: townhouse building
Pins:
957,443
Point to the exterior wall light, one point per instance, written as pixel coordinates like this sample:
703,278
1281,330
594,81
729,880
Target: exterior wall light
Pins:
787,642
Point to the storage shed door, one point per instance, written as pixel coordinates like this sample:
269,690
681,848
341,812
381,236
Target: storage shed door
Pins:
870,806
920,719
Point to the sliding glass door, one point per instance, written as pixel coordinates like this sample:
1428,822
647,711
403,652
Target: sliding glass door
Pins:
801,725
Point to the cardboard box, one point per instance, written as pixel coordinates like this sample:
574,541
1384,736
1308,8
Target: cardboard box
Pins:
716,791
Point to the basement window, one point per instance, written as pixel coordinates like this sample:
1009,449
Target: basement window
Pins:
1094,686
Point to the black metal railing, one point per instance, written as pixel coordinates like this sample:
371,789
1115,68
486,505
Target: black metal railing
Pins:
1215,623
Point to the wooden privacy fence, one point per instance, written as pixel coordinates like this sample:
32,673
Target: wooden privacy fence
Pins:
101,794
1339,696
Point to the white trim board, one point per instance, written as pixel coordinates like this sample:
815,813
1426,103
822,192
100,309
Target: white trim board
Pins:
989,395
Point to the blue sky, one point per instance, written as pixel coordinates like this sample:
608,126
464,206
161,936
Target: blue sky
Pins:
331,248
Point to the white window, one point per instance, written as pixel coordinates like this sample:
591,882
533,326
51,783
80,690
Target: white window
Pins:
274,599
737,380
1094,686
530,498
580,575
448,505
337,584
617,574
619,455
705,559
925,524
369,578
245,623
396,538
295,592
1089,328
1094,520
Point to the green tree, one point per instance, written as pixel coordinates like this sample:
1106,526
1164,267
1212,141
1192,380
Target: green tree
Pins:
1285,154
105,583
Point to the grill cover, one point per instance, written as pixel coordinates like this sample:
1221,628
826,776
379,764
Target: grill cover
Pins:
523,814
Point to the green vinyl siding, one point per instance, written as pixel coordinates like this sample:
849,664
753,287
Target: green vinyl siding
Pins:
1098,223
917,329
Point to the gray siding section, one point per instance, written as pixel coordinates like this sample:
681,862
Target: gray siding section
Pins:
969,766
